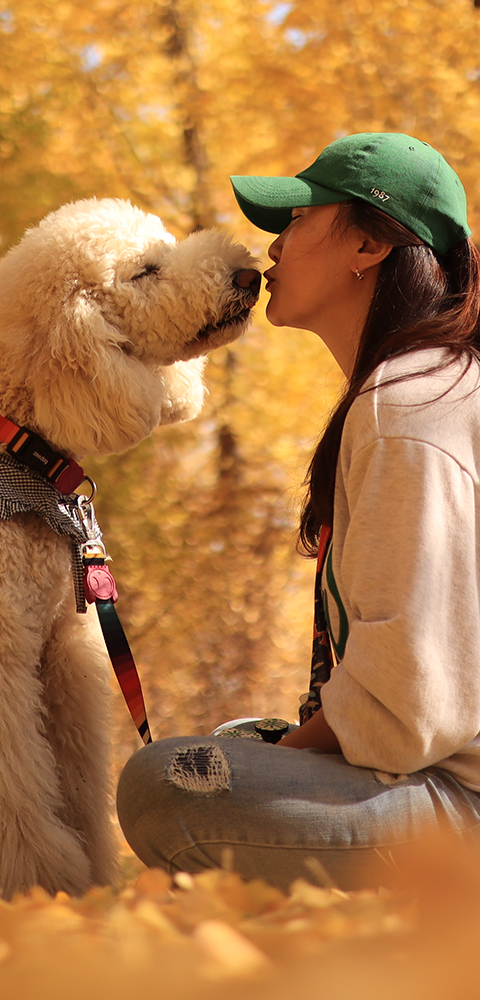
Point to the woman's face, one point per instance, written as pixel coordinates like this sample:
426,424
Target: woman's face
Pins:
312,271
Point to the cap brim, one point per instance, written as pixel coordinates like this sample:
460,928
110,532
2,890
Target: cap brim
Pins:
268,201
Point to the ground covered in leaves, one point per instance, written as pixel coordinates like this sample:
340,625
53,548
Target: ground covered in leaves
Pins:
212,935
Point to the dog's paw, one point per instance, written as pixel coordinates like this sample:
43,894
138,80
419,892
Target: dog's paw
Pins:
54,860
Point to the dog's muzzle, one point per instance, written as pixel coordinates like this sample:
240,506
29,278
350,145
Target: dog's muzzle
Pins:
247,286
248,280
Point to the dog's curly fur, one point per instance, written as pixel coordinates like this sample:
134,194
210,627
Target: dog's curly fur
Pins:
104,324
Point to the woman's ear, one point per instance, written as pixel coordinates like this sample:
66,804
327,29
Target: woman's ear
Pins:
370,254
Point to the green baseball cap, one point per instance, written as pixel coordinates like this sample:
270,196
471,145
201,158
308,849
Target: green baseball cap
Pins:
403,177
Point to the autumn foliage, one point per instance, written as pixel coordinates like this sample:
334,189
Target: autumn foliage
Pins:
211,935
159,101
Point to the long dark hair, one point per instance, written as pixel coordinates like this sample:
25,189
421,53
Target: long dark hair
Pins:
421,300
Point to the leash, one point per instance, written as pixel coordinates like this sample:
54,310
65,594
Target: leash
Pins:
66,475
100,590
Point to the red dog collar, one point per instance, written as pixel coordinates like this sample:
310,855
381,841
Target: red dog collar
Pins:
30,449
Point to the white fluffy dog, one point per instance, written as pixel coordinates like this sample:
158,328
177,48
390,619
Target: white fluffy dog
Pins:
104,324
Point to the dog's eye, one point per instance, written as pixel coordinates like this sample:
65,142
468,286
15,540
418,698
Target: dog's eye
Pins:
149,269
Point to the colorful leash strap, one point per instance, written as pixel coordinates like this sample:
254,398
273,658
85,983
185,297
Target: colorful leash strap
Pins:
124,666
100,590
322,659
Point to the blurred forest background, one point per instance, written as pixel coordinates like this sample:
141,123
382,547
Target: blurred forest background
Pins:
159,102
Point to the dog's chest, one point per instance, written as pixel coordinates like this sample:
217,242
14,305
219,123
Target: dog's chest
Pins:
35,564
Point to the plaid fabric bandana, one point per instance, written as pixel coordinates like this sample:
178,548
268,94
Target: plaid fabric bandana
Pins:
23,490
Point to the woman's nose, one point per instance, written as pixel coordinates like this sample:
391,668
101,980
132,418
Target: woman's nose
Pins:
275,249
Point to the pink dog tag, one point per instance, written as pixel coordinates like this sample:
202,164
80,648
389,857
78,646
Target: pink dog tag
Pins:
99,584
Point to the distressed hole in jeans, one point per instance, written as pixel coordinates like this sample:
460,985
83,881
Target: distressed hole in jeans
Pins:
203,768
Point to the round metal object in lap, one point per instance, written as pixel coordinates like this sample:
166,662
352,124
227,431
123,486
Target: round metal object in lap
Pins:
271,730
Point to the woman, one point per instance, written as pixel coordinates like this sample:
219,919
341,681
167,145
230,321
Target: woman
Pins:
374,256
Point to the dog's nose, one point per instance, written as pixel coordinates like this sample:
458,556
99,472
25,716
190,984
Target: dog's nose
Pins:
249,279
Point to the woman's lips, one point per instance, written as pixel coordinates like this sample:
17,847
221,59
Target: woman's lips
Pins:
270,281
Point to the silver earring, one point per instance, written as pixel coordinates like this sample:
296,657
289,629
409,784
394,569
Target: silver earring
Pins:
359,274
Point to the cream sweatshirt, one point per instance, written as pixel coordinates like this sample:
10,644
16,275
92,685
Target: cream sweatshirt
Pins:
403,577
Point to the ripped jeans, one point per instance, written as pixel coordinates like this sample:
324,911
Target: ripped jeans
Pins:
183,802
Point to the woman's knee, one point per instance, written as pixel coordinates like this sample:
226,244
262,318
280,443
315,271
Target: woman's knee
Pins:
154,786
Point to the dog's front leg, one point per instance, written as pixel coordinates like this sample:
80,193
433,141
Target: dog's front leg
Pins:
36,846
75,673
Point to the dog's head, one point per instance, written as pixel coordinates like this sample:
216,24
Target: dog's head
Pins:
105,319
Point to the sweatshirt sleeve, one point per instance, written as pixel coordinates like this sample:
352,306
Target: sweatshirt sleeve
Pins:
406,693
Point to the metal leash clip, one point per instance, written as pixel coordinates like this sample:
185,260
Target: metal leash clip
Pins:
93,547
87,479
100,589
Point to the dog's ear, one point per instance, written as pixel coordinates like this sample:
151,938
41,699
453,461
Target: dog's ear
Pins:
89,396
100,399
81,337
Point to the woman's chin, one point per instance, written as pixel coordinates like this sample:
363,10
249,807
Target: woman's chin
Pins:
273,315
